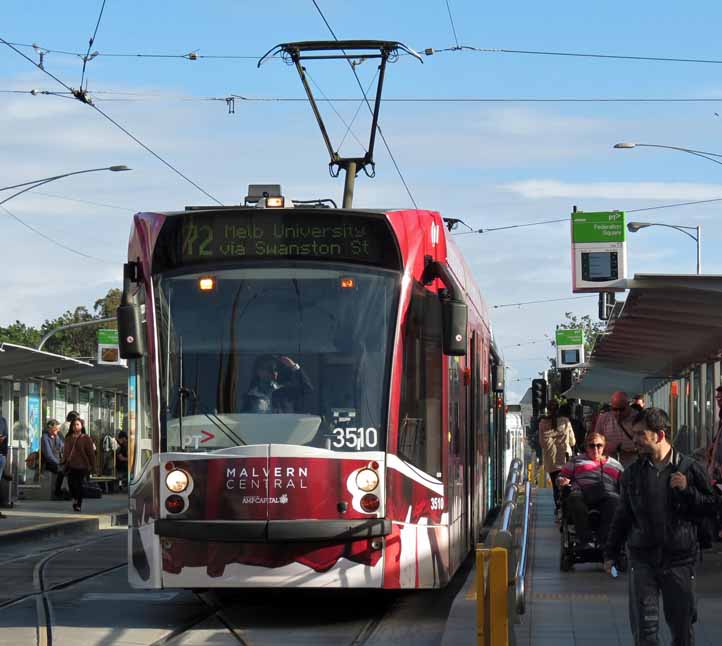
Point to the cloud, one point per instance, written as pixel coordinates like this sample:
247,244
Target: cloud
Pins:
535,189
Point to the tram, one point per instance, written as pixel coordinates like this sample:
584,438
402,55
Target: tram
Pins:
315,399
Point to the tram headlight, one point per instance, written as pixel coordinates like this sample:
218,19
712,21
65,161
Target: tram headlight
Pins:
177,481
367,480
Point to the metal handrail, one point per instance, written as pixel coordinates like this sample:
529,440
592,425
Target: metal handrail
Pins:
520,577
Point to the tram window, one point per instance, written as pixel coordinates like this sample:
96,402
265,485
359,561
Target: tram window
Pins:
420,409
143,449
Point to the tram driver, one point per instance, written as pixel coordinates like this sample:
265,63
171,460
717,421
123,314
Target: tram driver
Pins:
270,393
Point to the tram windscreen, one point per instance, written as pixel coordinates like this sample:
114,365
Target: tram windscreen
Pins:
295,354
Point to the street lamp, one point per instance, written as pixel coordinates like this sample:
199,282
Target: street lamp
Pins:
29,186
691,151
633,227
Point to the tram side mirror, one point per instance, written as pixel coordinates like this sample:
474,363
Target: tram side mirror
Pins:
453,318
131,338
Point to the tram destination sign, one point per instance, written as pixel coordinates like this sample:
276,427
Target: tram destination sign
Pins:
228,236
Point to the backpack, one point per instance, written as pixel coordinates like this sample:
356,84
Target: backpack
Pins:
706,525
31,462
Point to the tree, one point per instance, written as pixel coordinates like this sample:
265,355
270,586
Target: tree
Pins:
107,306
76,342
20,334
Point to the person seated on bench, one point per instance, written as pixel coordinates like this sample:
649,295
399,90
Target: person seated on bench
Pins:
594,480
52,454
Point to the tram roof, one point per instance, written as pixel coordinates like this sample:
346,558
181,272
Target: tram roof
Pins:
20,363
667,324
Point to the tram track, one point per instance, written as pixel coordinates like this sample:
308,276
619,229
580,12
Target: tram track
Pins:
41,586
214,610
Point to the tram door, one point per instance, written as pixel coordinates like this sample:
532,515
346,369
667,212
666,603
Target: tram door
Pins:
457,474
472,428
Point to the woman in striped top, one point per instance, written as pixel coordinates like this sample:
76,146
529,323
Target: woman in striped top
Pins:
594,480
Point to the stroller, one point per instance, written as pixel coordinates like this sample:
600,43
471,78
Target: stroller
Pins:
573,550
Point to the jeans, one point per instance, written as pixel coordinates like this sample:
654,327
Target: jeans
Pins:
677,585
3,460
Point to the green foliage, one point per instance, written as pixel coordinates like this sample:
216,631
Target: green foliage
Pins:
76,342
592,329
20,334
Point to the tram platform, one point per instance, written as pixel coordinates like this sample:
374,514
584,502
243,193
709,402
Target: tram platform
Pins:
39,519
584,607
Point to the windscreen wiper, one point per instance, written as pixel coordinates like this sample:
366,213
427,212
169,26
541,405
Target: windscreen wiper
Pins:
183,391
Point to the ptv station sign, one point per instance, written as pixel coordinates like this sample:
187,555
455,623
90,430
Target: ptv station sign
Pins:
599,250
570,348
108,349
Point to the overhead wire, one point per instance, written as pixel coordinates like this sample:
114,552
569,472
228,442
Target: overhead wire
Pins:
86,58
451,20
99,94
511,226
57,243
89,202
378,126
544,300
82,96
194,55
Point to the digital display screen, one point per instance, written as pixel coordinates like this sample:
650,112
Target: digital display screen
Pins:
570,356
198,237
600,265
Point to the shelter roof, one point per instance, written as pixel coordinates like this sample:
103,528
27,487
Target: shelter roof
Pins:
20,363
667,324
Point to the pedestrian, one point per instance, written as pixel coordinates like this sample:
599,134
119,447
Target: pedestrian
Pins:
3,449
52,454
638,400
714,450
594,481
664,496
78,460
556,437
577,426
616,426
65,428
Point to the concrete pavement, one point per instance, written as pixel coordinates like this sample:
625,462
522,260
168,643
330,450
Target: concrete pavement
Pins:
583,607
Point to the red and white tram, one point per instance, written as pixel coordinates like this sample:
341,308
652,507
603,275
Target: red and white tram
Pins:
313,399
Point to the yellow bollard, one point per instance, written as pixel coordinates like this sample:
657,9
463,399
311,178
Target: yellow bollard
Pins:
498,597
481,630
492,611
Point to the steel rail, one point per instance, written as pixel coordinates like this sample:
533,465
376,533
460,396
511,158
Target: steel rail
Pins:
520,577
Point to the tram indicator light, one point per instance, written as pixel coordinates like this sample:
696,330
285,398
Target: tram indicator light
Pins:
275,202
206,283
348,283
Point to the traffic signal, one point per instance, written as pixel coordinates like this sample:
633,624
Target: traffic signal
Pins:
566,380
606,305
538,395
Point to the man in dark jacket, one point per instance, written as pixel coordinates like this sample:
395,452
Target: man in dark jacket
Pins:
663,494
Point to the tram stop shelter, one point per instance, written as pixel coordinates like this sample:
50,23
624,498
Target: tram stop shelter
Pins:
663,341
36,386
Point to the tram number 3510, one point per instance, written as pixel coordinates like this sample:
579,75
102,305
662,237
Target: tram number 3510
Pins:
355,438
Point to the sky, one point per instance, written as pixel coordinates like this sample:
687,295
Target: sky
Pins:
521,155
